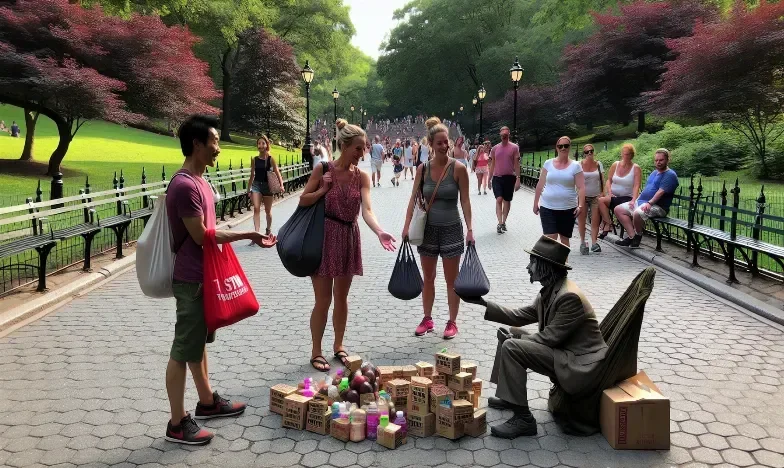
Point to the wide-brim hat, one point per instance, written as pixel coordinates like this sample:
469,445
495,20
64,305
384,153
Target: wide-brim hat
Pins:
552,251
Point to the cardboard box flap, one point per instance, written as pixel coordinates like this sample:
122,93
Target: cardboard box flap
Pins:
640,387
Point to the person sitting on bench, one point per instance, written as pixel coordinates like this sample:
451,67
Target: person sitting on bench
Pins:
568,347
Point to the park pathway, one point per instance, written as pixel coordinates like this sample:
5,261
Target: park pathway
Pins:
85,385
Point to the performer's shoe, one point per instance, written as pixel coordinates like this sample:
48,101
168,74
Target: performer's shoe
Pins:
521,424
497,403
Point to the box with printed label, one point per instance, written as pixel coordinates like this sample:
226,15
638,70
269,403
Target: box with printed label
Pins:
462,395
477,427
318,422
424,369
401,404
318,406
397,372
397,388
476,386
439,379
420,425
386,373
463,411
409,371
366,399
390,437
439,394
473,398
460,382
419,397
340,429
446,426
469,367
353,363
447,363
296,411
635,415
278,395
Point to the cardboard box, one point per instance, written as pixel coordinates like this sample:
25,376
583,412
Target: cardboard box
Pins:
419,397
439,379
474,399
318,422
469,367
446,426
476,386
296,411
447,363
397,372
397,388
424,369
439,394
401,404
635,415
366,399
390,437
460,382
354,363
318,406
477,427
386,373
463,395
463,411
409,371
420,425
278,395
340,429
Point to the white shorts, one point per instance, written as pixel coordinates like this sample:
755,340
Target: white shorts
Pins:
376,164
655,211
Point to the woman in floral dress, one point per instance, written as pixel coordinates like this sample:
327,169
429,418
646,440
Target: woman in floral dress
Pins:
347,189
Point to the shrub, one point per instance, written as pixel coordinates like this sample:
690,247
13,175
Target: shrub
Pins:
603,134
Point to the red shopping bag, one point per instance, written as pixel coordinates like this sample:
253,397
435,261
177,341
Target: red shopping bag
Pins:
228,297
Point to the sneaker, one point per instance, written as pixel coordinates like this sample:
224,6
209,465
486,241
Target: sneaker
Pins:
221,408
450,331
188,433
480,192
624,242
596,248
519,425
425,326
485,192
499,229
503,227
583,249
636,241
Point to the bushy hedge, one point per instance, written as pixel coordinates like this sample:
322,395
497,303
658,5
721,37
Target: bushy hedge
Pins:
706,150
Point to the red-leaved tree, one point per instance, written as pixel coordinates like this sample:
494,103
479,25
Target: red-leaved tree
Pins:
733,71
74,64
606,75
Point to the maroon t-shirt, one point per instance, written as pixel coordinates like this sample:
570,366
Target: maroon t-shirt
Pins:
189,197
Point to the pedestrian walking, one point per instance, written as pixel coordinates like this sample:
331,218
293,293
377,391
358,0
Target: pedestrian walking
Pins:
191,211
560,193
347,190
258,185
376,160
482,168
622,186
441,183
460,154
408,160
505,168
424,151
593,172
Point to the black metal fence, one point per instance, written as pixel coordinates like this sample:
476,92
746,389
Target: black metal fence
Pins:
68,252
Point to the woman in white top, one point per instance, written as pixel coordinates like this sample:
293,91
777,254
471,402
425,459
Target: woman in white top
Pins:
560,193
408,160
460,153
622,186
424,151
593,172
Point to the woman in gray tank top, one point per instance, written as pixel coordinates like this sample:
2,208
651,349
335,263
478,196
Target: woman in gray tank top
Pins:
444,228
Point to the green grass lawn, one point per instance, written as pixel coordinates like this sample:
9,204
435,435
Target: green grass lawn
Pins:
97,151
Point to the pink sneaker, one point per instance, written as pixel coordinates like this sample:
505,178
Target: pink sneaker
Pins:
450,331
426,326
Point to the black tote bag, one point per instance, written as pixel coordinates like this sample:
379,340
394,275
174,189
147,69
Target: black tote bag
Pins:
472,280
406,281
301,239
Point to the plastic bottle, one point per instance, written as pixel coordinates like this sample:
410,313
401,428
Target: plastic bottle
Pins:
383,407
358,425
400,420
372,421
335,410
383,421
333,393
343,384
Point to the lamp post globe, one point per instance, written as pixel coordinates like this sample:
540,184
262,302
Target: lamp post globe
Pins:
307,148
335,96
481,93
474,100
352,113
516,72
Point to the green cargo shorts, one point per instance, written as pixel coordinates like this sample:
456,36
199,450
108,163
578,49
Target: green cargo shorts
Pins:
190,330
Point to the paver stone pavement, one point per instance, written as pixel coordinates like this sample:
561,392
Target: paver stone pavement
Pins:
87,381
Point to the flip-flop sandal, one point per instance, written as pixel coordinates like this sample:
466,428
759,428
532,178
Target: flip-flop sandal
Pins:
320,361
342,355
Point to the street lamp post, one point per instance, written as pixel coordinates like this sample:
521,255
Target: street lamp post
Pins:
517,74
335,96
269,116
361,117
473,117
307,148
352,113
482,93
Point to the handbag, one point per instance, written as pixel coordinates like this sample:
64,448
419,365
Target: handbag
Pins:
416,228
406,281
228,297
301,239
273,182
472,280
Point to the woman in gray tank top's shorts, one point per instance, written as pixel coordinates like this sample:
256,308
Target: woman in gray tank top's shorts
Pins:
444,228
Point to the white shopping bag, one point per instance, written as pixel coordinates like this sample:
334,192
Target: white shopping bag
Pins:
154,256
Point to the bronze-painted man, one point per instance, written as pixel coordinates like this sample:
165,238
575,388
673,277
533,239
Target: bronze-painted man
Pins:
568,347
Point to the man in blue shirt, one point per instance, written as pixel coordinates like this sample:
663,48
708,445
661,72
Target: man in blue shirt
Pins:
376,160
15,130
653,202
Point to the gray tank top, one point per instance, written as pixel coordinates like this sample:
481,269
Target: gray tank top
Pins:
444,210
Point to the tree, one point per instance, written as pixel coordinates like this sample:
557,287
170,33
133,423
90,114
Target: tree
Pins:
607,74
730,71
74,64
266,86
539,113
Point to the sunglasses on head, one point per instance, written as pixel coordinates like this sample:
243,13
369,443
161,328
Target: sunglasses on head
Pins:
588,152
563,146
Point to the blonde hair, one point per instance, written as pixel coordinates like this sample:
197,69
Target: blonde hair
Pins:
347,132
567,139
630,147
434,127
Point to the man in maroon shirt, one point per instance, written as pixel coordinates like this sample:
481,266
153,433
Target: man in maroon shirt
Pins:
191,211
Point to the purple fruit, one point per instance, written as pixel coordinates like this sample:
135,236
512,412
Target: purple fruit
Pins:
370,376
358,381
366,387
352,396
